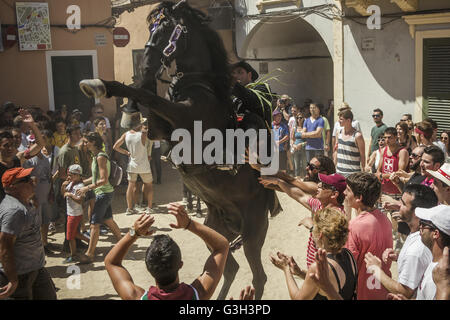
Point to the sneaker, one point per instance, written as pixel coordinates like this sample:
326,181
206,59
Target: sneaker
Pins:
103,230
129,212
69,259
87,234
149,211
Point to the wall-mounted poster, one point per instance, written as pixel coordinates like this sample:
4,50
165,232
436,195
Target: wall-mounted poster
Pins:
33,25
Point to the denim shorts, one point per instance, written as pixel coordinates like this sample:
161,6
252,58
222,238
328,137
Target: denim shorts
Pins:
102,208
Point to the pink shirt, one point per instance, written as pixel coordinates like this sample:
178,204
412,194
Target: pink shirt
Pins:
370,232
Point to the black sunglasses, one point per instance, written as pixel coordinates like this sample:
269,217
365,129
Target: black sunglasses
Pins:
311,166
426,225
376,115
325,186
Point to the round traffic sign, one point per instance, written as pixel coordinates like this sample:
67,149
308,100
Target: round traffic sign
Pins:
121,37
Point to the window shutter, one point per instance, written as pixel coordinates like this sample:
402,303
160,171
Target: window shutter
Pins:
436,81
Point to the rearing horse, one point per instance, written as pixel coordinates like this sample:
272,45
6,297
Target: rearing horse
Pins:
200,91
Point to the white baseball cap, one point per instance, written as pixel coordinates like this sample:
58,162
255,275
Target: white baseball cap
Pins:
439,216
442,174
76,169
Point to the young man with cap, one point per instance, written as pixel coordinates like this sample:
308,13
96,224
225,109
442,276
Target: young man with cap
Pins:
435,233
441,183
414,256
22,257
330,194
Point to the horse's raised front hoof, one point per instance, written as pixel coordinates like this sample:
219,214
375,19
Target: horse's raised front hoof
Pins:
93,88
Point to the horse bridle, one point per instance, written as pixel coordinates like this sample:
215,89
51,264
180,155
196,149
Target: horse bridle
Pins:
171,47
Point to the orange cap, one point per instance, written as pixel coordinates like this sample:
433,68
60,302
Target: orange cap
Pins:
14,174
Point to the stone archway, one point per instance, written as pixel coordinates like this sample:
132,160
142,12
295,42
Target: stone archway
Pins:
299,50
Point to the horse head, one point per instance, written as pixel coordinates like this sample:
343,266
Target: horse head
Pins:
180,34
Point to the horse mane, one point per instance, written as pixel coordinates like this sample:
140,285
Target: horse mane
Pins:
220,73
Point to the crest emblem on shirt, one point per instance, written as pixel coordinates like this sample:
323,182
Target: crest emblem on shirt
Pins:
388,165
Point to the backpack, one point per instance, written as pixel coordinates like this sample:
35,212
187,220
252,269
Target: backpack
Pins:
116,172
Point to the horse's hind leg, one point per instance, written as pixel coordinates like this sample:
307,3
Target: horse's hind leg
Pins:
252,249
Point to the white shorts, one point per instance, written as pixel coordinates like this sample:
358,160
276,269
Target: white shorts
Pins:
146,177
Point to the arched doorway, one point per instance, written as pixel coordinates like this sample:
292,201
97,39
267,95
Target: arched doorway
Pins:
296,47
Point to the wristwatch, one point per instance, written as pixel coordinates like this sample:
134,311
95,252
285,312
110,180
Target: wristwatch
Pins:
133,232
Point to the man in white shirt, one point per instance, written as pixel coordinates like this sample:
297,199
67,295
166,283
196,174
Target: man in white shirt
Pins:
435,234
414,257
139,153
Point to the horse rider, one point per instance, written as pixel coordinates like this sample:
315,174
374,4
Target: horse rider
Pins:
249,97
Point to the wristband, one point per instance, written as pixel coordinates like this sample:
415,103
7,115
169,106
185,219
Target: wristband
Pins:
187,227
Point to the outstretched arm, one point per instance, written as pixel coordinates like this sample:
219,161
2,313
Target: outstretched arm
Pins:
120,277
292,191
207,282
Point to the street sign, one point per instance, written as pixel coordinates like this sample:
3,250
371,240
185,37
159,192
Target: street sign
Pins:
121,37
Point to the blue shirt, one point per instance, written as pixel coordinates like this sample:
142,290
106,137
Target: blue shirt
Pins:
314,143
279,132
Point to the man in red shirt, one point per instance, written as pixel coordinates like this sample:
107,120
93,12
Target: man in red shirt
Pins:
395,158
369,231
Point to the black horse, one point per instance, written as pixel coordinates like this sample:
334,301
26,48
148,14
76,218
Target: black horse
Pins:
237,204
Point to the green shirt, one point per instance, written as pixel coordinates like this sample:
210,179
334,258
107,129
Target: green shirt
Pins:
106,188
375,133
68,156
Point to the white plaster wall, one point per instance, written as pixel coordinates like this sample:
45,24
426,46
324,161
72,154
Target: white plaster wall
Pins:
381,78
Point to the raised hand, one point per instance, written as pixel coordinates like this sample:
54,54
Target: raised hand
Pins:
280,260
26,116
142,225
248,293
180,214
294,268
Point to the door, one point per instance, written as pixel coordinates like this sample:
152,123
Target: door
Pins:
436,81
67,72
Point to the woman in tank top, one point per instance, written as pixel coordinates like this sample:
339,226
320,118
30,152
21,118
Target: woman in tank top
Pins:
330,232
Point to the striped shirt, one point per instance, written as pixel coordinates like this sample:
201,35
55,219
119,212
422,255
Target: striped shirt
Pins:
348,156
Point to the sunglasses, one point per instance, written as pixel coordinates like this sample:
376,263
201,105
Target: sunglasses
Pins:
426,225
311,166
325,186
376,115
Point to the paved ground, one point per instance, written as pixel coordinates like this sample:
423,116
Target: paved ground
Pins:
283,235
